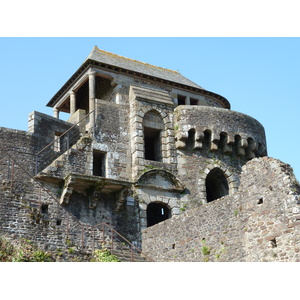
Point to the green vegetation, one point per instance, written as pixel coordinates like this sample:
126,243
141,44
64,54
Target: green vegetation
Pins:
103,255
148,168
22,251
205,251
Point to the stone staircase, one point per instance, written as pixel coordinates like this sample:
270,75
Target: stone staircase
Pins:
120,250
125,254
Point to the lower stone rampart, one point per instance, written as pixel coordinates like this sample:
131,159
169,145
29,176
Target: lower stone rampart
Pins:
260,222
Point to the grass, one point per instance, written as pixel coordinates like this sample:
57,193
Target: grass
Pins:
22,250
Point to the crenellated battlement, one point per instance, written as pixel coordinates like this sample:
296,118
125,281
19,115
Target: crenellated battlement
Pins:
212,129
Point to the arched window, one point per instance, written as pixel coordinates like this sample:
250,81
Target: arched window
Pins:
216,185
153,126
157,212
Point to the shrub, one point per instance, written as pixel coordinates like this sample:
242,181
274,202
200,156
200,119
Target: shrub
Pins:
103,255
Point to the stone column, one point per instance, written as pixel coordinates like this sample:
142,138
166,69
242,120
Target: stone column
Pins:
187,100
72,102
92,96
55,113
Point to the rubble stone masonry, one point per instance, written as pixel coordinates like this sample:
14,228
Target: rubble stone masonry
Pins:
260,222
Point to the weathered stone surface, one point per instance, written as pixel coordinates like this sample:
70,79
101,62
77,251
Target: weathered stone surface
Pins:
150,141
237,227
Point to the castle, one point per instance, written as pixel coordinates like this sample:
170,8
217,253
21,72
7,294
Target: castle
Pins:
143,148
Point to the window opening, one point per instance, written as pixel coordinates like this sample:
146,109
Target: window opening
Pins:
157,212
216,185
44,209
57,142
152,138
99,163
181,100
153,127
193,101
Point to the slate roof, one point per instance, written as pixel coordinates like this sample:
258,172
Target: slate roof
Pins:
101,58
140,67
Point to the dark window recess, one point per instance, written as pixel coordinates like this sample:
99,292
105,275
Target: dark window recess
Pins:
58,222
223,141
237,144
157,212
152,138
193,101
181,100
98,163
273,243
207,139
44,209
216,185
190,142
260,201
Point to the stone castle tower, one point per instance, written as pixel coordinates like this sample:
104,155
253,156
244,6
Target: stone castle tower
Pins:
141,145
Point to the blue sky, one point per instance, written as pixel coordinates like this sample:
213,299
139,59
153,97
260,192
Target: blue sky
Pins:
259,76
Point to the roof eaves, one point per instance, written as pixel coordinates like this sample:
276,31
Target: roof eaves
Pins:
91,62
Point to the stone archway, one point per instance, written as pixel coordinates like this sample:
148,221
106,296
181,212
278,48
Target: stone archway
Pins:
231,177
160,196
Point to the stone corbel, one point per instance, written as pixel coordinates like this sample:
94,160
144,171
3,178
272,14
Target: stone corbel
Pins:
214,142
250,151
91,194
181,138
67,190
229,144
199,136
242,145
122,195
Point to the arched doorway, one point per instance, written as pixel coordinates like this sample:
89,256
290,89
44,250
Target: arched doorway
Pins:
216,185
157,212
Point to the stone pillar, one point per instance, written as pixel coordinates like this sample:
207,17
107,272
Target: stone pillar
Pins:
72,102
55,113
92,96
187,100
175,100
118,97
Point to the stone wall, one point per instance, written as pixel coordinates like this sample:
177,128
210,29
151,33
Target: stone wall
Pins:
30,208
260,222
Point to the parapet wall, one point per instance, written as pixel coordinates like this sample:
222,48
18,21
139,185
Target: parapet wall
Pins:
228,130
258,223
